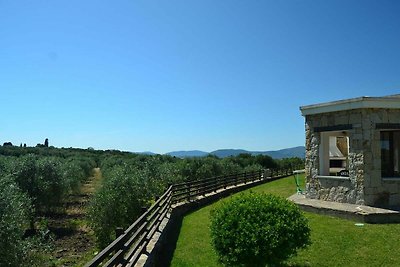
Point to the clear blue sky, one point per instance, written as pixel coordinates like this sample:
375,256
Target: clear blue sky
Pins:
181,75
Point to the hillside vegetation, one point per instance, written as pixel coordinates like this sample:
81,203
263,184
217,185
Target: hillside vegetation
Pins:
62,205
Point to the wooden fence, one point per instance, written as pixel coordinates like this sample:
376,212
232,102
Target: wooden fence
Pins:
127,248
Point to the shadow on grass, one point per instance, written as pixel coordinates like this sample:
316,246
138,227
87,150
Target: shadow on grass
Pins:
166,253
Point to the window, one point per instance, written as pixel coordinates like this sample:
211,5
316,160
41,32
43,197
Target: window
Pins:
333,152
390,146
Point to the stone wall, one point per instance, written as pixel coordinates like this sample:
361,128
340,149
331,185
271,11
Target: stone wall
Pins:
378,191
364,184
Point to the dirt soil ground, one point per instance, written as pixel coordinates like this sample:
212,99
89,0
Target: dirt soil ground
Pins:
73,238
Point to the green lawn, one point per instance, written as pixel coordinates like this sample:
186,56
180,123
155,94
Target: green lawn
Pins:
336,242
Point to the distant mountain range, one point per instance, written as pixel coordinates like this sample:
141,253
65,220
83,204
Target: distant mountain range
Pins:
188,154
298,151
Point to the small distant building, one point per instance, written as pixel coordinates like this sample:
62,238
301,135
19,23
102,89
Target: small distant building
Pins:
353,151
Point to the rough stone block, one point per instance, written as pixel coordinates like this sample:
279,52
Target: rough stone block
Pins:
375,117
394,199
360,196
331,120
384,116
367,179
376,148
366,123
351,197
394,117
366,143
354,118
377,165
311,192
376,173
369,191
368,200
367,134
356,145
314,140
342,119
376,182
392,187
368,159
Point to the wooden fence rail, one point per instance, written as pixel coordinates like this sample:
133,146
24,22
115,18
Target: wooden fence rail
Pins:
127,248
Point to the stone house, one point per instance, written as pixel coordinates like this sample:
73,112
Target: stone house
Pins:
353,151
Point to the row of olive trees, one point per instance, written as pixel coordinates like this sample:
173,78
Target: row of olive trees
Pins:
133,183
47,180
29,186
129,185
15,213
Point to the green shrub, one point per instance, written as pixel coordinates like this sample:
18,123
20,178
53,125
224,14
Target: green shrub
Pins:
117,203
127,187
75,171
160,177
41,178
257,229
73,174
252,168
14,217
86,164
4,165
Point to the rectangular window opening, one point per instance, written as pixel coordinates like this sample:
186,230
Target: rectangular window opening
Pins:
390,147
334,152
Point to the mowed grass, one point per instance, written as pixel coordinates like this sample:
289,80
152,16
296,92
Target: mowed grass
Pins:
335,242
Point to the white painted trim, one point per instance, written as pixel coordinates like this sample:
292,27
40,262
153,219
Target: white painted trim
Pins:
389,102
333,177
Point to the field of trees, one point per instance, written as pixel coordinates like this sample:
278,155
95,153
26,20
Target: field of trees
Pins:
59,206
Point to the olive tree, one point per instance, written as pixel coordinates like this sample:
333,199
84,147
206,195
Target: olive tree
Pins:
14,217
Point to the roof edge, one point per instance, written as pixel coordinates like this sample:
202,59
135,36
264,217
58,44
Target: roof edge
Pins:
389,102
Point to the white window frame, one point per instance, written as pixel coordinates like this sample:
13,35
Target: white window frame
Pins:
324,158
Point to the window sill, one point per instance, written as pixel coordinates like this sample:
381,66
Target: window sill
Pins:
396,179
342,178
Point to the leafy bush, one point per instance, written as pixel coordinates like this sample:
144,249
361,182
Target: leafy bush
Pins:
230,167
117,203
4,165
73,174
163,175
200,168
258,229
14,216
253,168
86,164
41,178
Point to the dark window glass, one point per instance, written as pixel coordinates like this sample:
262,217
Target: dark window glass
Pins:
390,147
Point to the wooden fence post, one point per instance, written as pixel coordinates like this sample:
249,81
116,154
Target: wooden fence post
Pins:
188,196
143,209
118,231
224,180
